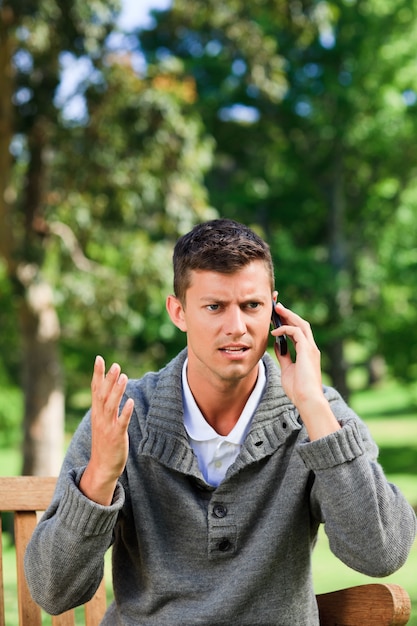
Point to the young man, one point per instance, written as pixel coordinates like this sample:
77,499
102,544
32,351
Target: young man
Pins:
211,477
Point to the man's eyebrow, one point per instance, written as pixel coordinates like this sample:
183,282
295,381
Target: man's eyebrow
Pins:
216,299
222,300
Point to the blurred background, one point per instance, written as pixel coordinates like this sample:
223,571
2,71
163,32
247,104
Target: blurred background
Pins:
121,128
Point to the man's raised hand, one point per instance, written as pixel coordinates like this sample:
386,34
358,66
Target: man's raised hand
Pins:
109,436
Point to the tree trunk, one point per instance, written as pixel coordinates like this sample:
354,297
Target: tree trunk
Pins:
340,308
338,367
6,134
43,423
42,381
43,443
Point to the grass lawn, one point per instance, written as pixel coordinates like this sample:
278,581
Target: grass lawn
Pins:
390,413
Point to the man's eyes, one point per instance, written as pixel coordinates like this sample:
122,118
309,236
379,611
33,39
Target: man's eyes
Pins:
249,305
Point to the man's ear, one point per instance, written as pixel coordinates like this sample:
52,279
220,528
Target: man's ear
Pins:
176,312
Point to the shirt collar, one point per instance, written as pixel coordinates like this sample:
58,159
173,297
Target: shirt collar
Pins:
199,429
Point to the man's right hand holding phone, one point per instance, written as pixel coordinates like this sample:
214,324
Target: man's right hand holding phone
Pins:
301,379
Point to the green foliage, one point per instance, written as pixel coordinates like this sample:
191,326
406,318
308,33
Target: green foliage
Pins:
98,202
140,186
11,411
296,118
9,364
313,116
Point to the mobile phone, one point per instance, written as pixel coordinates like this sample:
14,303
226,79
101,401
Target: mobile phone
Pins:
276,323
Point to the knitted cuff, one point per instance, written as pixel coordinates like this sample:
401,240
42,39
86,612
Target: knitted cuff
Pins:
87,517
340,447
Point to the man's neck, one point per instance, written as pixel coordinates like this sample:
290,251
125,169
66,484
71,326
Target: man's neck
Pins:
222,404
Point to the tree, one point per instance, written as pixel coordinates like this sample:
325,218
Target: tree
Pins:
140,186
86,203
312,109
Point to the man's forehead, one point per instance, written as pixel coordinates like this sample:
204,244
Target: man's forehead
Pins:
252,277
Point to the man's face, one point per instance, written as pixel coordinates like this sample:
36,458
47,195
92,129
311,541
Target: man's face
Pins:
226,318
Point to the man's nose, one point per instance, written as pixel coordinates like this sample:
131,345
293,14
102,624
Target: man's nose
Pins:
235,322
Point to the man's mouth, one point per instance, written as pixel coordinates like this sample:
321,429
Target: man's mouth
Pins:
234,349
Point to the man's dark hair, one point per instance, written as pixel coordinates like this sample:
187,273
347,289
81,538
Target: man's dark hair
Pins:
220,245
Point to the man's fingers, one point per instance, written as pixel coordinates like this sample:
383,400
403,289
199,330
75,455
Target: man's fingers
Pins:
111,378
110,382
113,389
292,319
99,364
108,389
98,372
126,413
101,381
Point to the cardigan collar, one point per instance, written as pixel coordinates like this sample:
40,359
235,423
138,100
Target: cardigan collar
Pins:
165,438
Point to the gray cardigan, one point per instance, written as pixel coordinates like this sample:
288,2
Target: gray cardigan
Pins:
185,553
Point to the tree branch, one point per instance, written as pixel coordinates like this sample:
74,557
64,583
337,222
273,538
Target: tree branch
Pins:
64,232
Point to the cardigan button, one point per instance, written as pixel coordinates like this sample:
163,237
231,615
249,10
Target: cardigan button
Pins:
219,510
224,545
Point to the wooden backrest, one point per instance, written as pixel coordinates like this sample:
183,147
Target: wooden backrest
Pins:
375,604
364,605
25,497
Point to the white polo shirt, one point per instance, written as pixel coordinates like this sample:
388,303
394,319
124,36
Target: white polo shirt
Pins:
215,453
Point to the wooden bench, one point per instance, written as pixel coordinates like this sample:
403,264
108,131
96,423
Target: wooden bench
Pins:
25,497
365,605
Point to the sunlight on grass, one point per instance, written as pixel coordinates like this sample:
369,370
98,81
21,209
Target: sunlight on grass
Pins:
389,400
394,431
10,582
9,461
